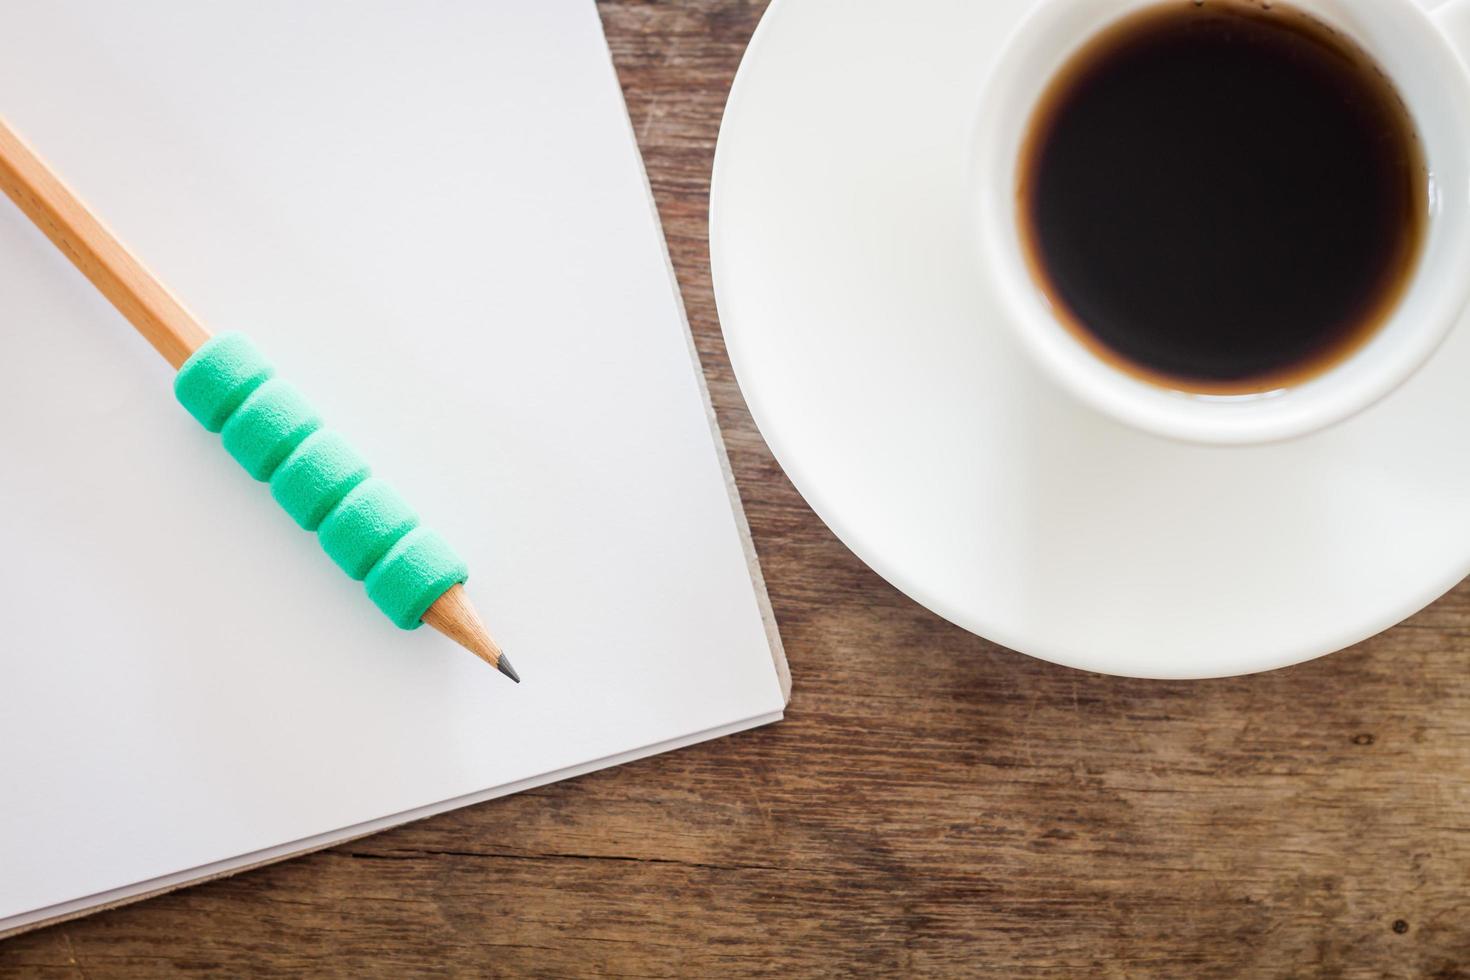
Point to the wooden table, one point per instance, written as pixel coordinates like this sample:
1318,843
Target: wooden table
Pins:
933,804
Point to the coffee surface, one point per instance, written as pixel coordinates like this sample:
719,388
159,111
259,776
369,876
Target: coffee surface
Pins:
1222,197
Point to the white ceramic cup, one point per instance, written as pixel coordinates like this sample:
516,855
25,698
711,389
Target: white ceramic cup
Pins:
1418,50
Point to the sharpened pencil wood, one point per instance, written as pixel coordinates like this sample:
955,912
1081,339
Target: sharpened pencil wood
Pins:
454,615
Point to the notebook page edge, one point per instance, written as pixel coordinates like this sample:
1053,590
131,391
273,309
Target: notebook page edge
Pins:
162,885
742,525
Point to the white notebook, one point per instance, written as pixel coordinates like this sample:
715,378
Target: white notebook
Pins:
432,216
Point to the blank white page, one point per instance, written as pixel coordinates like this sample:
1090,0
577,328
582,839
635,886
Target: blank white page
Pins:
432,216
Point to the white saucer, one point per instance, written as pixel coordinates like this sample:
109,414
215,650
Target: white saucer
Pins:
876,368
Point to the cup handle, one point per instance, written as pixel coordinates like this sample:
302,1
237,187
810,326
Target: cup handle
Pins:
1453,17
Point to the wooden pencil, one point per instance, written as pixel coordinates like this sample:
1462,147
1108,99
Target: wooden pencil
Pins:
168,325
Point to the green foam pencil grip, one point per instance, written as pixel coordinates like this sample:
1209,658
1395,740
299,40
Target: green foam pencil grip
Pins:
316,476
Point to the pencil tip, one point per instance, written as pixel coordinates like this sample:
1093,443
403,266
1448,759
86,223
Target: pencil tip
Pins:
503,665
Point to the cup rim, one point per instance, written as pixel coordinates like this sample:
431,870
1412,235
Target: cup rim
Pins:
1008,101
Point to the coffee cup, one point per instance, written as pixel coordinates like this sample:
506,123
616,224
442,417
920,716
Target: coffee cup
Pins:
1416,51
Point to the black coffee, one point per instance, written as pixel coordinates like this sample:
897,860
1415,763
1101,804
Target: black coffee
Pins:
1221,196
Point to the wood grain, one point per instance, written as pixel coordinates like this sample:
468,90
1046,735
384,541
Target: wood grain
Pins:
974,813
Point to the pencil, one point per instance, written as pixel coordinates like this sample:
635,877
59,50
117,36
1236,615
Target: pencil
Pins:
177,335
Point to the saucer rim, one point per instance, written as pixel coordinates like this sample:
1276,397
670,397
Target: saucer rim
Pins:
742,363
